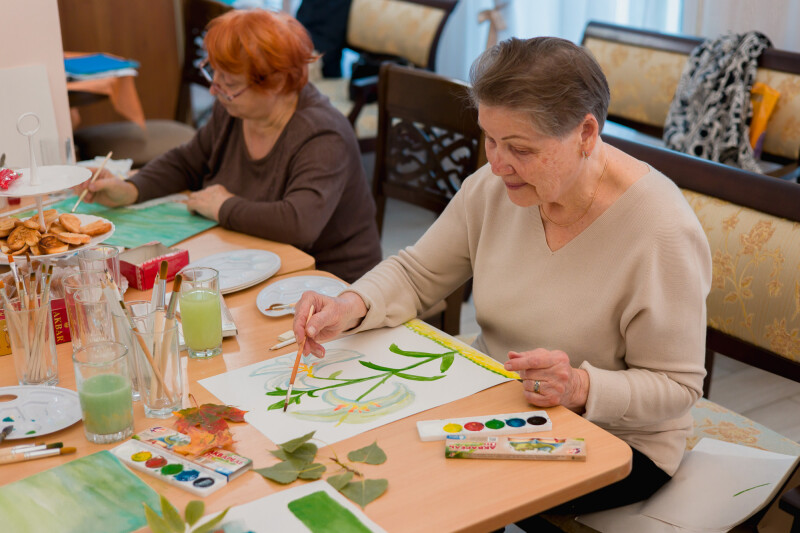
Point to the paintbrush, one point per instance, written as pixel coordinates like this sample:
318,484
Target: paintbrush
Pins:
30,455
91,180
30,448
162,350
17,280
143,344
296,363
4,433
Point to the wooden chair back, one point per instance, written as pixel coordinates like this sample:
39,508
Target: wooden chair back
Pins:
428,142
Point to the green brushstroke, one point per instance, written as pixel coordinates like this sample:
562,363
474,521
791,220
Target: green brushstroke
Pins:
751,488
167,223
77,497
321,514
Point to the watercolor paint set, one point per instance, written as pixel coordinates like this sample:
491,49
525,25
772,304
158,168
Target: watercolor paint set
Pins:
547,449
170,467
485,426
227,463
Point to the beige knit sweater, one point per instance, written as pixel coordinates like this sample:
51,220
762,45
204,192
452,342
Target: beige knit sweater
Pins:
625,299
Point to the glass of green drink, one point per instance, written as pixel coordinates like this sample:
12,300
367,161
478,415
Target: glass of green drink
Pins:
104,390
201,315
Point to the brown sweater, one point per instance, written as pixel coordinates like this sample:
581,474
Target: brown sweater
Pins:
309,191
625,299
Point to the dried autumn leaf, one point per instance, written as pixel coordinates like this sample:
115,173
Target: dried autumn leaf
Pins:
371,455
207,427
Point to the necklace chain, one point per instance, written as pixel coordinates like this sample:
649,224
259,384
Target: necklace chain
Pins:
591,202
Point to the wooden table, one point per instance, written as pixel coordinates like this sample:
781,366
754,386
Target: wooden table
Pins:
426,491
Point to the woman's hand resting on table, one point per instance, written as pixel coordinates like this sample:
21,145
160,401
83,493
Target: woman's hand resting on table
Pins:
559,383
207,202
331,317
108,190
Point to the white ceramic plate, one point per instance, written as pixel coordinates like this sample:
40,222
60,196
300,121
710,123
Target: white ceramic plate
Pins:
289,291
240,269
85,219
54,178
38,410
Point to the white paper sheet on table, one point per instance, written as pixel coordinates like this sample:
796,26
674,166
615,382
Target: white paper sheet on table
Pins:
271,513
717,486
343,411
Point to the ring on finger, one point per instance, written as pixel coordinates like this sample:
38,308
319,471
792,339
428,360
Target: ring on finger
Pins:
536,385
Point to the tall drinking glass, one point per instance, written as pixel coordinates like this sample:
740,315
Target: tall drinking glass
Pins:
30,333
201,315
73,283
101,257
140,313
158,358
104,390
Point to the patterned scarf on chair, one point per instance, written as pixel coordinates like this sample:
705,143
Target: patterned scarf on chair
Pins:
710,114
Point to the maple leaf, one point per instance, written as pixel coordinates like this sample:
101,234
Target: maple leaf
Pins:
207,427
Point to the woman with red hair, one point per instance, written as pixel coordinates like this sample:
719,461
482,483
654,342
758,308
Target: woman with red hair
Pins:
275,159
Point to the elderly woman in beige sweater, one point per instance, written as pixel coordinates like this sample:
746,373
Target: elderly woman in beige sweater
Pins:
590,269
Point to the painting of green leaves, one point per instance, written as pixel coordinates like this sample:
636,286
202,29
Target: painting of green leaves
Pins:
364,381
77,497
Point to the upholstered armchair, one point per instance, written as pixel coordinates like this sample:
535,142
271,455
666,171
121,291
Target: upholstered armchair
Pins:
404,31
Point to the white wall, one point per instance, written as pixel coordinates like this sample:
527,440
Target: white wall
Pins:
31,34
777,19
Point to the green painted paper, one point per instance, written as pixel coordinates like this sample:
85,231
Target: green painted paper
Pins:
321,514
77,497
167,223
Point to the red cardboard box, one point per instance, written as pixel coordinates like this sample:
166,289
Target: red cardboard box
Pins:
140,265
58,309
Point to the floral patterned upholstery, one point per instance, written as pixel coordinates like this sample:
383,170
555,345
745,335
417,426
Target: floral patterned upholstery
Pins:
755,289
755,296
394,27
643,82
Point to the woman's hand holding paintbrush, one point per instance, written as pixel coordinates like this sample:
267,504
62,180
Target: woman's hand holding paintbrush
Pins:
332,317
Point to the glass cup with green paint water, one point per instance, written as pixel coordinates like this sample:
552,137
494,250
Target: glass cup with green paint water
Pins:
104,390
201,315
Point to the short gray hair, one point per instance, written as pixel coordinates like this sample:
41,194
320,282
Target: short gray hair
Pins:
554,81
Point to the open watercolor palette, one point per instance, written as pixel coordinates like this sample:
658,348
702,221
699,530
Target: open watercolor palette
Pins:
485,426
37,410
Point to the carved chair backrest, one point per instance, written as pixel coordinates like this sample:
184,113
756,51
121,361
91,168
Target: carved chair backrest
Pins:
429,140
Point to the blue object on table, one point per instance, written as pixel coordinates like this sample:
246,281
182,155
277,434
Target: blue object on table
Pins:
96,63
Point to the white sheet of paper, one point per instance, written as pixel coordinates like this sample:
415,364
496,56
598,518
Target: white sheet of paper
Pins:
708,492
25,89
271,513
719,485
339,412
627,518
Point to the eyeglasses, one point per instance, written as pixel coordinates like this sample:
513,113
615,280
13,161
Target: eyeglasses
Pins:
208,73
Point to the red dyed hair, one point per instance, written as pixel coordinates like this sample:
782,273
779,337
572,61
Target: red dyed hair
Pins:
268,47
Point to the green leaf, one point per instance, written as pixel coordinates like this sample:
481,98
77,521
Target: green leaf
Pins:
277,392
283,472
305,453
156,523
373,366
395,349
291,445
211,524
340,480
447,360
417,378
364,491
312,471
277,405
194,511
335,374
372,455
172,516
